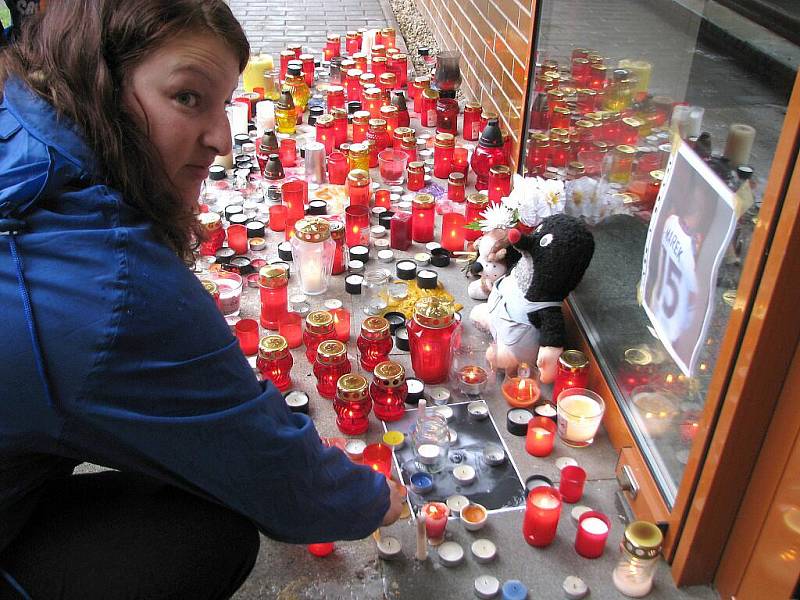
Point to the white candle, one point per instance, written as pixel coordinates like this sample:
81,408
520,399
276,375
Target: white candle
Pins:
237,116
594,526
483,550
389,547
739,144
422,540
428,453
579,417
464,474
265,116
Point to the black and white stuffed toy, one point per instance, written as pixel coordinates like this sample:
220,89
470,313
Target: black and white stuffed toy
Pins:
523,312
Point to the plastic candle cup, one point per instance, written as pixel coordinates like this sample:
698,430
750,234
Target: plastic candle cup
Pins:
230,292
291,328
295,194
352,406
358,187
247,334
423,207
436,514
378,457
321,550
288,152
453,232
338,168
274,361
580,412
541,436
542,511
521,391
273,281
277,217
392,164
593,529
571,485
400,230
356,222
237,239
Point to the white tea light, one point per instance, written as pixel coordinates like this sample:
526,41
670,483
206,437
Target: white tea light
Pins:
494,454
478,410
389,547
565,461
456,503
444,411
577,511
575,588
377,231
438,395
428,454
381,243
450,554
483,550
355,449
385,256
464,474
487,587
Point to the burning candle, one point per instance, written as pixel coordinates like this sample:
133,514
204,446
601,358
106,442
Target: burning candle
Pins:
247,334
453,232
274,361
542,511
389,391
590,539
521,391
273,281
378,457
541,436
341,319
573,372
352,406
356,225
472,380
423,220
436,514
358,187
291,328
331,363
573,478
580,412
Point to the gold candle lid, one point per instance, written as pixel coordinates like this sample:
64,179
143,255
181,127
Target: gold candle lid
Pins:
338,113
625,149
334,37
358,150
643,539
375,328
273,276
445,140
310,229
351,388
389,374
638,356
325,121
331,352
503,171
357,177
633,122
337,230
372,93
416,166
584,124
211,287
434,312
456,178
388,79
430,94
573,360
541,140
272,347
210,221
423,200
478,199
402,132
377,124
658,175
473,107
319,321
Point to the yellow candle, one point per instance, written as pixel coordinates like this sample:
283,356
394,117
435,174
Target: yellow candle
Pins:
254,71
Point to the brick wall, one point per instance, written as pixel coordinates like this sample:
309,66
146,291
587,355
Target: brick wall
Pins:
494,39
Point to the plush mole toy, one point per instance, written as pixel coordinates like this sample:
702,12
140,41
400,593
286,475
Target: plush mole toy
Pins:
523,312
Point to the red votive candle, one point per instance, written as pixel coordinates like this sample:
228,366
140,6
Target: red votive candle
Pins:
333,47
247,334
388,391
383,199
352,406
358,184
593,529
294,198
288,152
541,436
325,133
291,329
338,168
476,204
237,239
572,481
423,220
274,361
331,364
573,372
436,514
456,187
499,183
374,342
378,457
273,281
277,217
400,231
453,232
416,175
356,222
341,319
443,153
542,511
321,550
460,160
447,116
430,339
319,327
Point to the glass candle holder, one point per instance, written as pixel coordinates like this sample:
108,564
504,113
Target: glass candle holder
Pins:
352,405
247,333
274,361
522,390
447,116
436,514
273,281
415,91
334,97
389,391
288,152
313,252
358,188
400,231
382,199
573,478
372,100
319,328
358,157
230,291
341,319
340,250
427,107
489,153
294,192
325,134
572,372
455,187
471,127
392,165
622,164
378,66
378,134
593,529
352,84
338,168
580,412
453,232
378,457
443,151
541,436
330,364
476,204
352,42
284,58
398,64
431,334
237,238
542,511
499,183
291,329
639,557
389,114
423,207
333,46
339,126
356,225
460,161
375,342
416,176
214,233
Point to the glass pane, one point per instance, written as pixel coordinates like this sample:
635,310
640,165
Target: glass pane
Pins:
620,72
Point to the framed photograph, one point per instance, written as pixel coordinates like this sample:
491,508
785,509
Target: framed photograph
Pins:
692,224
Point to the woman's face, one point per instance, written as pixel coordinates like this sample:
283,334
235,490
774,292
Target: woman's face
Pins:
178,95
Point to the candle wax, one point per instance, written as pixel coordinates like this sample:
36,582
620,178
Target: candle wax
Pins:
594,526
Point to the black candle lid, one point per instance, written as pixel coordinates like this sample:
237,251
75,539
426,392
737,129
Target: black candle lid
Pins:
238,219
396,320
353,106
416,391
233,209
385,219
535,481
317,207
239,264
352,285
224,255
406,270
217,172
285,251
255,229
297,401
517,421
360,252
401,339
427,279
440,257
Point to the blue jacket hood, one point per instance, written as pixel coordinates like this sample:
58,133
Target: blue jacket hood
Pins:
33,169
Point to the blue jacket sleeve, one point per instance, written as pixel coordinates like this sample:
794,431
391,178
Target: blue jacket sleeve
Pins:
171,395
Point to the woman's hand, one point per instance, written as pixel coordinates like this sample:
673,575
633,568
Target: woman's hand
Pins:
395,503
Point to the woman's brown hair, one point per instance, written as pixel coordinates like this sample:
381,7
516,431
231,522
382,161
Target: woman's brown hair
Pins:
78,53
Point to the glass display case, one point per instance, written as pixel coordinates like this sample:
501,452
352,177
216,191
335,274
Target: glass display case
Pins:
612,91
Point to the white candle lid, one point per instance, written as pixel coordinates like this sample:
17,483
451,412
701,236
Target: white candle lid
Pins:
483,550
450,554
